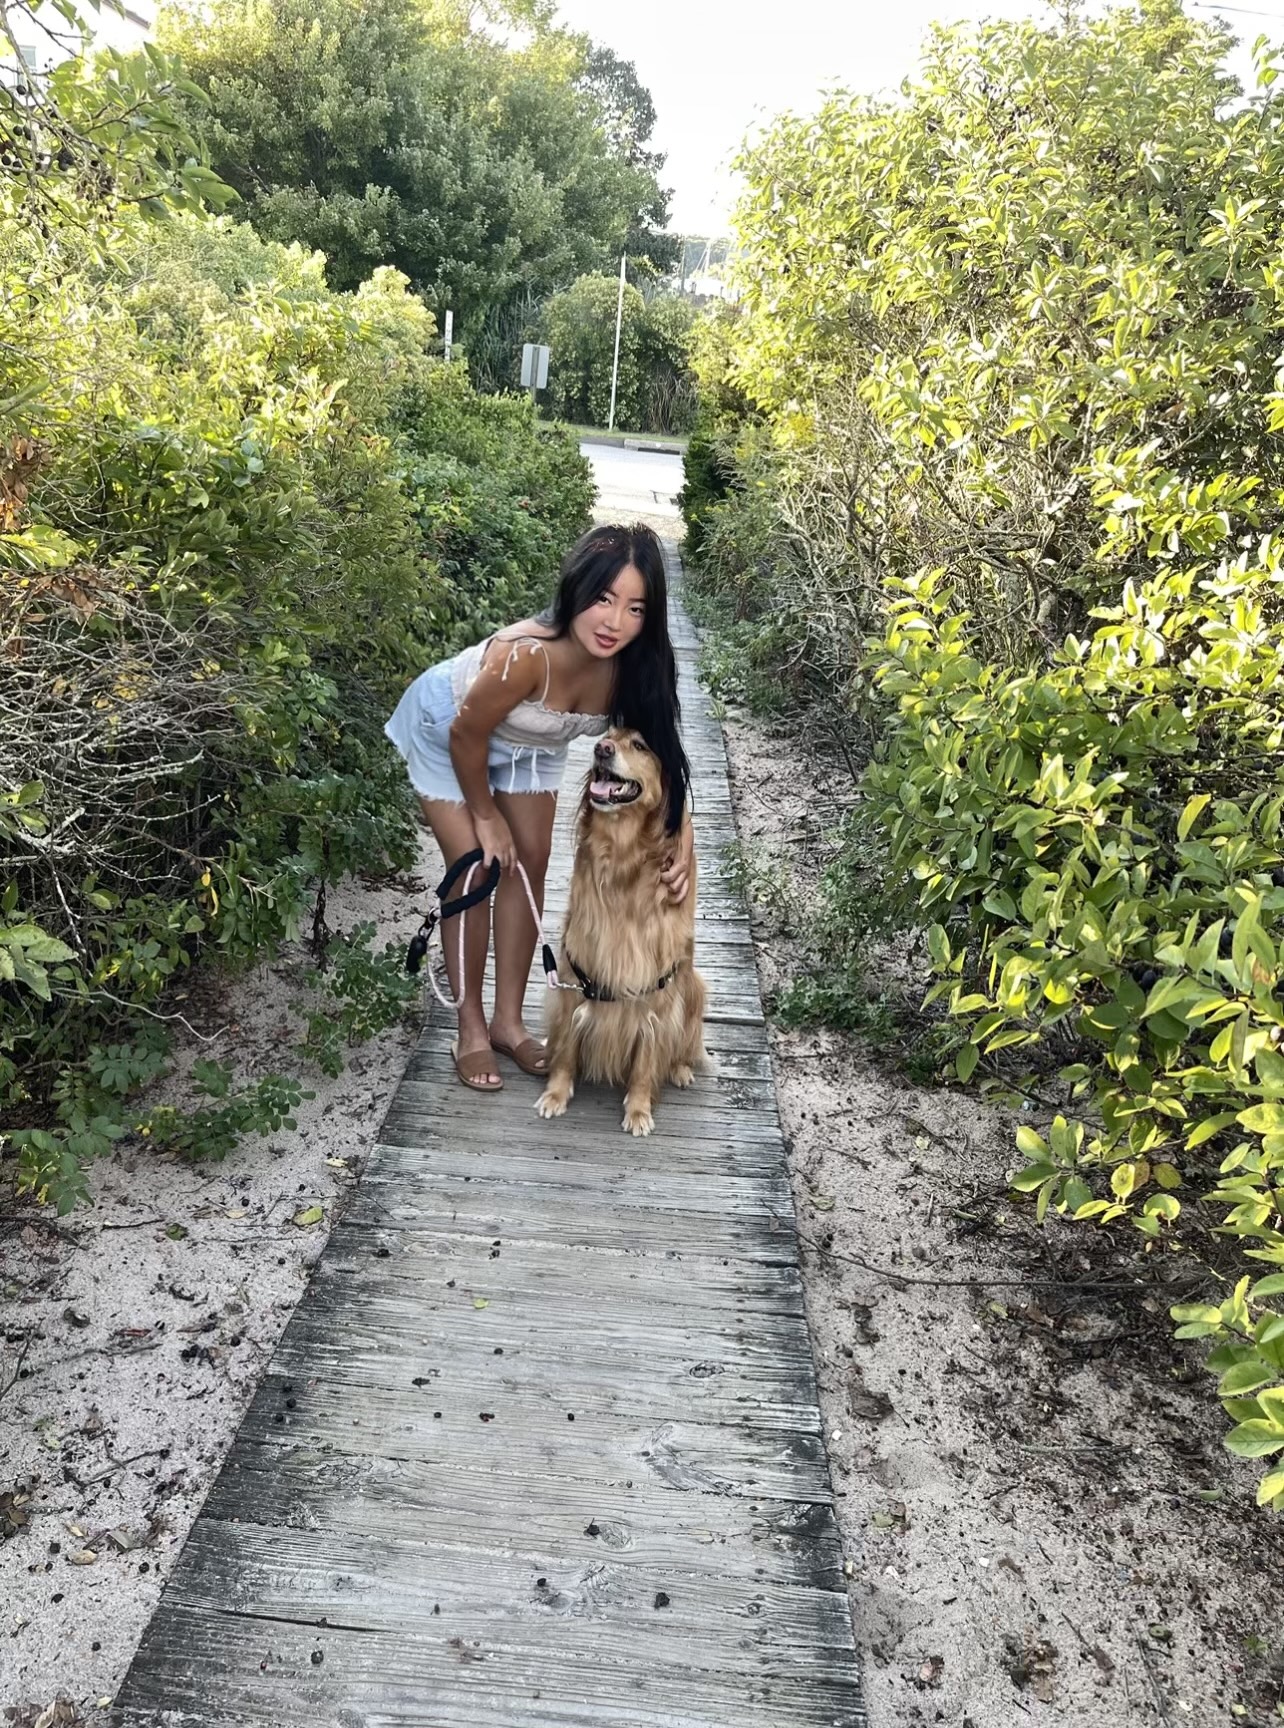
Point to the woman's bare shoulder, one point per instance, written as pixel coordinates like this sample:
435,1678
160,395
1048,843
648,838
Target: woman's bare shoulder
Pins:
529,629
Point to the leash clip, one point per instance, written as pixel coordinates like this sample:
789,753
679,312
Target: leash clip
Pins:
417,952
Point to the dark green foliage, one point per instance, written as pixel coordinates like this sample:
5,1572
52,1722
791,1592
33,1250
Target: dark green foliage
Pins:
405,135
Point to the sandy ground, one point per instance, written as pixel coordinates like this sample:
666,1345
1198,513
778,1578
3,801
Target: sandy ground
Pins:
1041,1520
132,1335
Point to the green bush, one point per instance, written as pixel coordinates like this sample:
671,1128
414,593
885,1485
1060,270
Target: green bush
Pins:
210,467
1010,348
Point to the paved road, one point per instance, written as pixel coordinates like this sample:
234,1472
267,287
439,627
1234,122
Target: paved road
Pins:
632,482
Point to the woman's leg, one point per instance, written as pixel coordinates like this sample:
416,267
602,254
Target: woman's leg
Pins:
530,817
452,828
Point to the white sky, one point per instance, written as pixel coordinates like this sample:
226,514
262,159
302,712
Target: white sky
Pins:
716,67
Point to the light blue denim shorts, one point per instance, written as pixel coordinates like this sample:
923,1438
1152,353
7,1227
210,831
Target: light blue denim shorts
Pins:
420,729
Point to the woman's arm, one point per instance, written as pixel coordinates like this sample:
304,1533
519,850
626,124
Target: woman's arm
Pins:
680,866
505,679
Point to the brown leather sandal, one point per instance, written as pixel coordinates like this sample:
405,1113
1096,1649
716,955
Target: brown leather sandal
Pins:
470,1069
530,1056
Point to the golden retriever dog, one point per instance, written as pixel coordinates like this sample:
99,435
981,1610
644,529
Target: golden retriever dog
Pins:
637,1020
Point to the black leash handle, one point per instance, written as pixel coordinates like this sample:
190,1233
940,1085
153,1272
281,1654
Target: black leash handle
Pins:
452,908
418,949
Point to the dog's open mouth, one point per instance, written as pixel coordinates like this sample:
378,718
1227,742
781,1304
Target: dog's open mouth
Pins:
606,788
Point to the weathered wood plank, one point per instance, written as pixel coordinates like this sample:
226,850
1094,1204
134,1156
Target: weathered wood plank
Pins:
540,1438
762,1228
593,1107
536,1273
792,1544
394,1583
471,1677
494,1356
668,1153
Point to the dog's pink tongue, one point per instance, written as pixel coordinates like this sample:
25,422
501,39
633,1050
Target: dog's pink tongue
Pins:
600,789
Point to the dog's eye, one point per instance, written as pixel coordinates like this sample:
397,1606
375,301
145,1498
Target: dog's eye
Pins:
640,744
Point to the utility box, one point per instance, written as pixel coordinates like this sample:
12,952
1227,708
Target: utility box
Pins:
534,366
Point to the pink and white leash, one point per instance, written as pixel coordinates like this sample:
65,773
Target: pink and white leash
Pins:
437,920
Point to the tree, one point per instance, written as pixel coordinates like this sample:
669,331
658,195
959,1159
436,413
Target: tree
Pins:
655,390
387,132
82,140
628,119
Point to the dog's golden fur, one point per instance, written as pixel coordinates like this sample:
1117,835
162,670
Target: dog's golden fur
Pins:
625,933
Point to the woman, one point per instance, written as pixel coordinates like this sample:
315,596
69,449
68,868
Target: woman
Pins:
485,739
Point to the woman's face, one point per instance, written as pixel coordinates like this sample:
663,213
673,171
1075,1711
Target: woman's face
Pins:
615,618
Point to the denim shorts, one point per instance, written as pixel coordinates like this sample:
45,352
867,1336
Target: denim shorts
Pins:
420,729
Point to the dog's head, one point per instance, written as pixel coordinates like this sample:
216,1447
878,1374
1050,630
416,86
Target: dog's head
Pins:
626,776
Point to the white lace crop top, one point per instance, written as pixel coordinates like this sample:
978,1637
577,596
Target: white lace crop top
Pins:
532,724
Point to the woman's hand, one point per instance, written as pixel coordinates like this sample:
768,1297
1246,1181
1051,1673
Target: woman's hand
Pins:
495,838
679,867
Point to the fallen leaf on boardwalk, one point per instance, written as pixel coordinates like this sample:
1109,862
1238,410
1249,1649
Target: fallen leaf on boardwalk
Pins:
822,1202
481,1302
176,1232
85,1557
309,1215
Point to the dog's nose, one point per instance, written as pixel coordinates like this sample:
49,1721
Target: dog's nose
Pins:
604,748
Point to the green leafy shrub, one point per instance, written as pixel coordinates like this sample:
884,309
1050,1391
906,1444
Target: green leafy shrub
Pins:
361,995
1010,349
211,466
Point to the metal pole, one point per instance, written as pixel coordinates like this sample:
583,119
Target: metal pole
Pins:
615,367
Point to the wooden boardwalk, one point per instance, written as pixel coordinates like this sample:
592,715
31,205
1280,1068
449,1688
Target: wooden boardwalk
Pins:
540,1445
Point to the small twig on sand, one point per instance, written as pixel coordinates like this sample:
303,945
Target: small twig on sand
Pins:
7,1386
1157,1691
58,1230
132,1224
895,1276
119,1464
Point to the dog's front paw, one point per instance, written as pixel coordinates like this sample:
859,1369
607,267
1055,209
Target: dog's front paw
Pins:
638,1121
682,1075
553,1101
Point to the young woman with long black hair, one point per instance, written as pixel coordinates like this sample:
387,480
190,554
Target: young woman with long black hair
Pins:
485,736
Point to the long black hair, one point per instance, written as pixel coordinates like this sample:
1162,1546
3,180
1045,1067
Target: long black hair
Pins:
645,695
